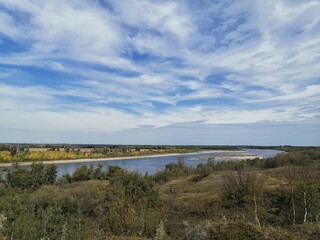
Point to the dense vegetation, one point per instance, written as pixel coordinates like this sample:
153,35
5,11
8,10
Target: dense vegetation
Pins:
28,152
275,198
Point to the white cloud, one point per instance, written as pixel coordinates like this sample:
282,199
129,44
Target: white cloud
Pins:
310,93
167,62
108,120
165,17
73,30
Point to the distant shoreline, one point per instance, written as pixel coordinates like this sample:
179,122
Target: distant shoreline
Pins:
85,160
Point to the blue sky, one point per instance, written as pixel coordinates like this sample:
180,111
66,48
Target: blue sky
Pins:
160,72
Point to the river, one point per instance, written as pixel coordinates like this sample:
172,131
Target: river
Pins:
154,164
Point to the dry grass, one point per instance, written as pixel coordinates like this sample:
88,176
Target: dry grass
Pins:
86,150
199,195
187,193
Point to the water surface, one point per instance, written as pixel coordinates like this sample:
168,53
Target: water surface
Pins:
154,164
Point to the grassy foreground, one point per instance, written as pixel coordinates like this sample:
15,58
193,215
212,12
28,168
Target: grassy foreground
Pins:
275,198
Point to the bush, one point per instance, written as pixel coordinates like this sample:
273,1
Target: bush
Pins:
241,187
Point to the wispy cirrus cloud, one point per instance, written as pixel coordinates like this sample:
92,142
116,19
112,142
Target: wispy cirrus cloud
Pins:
121,65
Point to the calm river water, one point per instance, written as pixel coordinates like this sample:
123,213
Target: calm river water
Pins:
153,164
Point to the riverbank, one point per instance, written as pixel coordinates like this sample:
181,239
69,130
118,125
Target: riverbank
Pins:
86,160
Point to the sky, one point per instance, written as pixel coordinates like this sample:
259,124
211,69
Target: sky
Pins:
160,72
